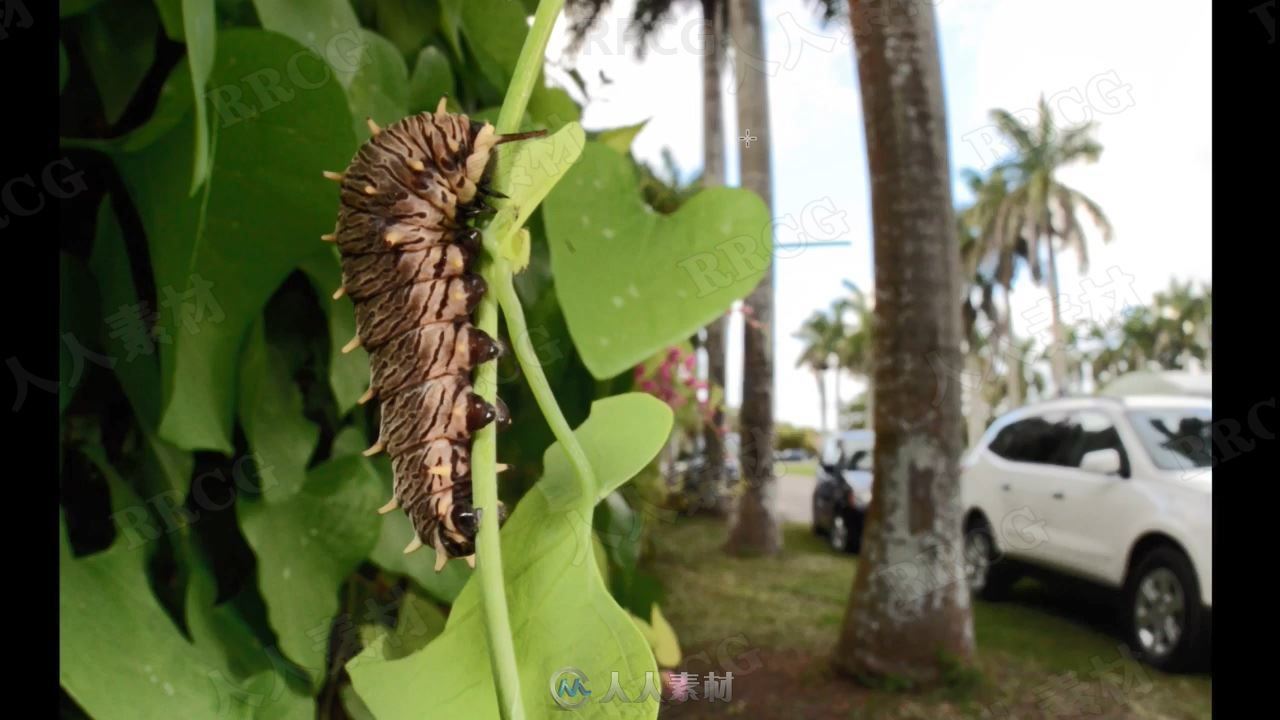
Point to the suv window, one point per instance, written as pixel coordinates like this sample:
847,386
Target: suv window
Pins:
1088,431
859,460
1034,439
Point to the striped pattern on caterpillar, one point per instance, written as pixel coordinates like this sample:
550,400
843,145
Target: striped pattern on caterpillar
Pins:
407,252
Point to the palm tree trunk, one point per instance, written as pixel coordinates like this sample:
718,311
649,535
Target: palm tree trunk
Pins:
1059,354
755,528
836,392
1014,382
818,374
713,176
978,410
909,615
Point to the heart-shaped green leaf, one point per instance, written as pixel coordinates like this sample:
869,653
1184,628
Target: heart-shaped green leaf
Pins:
138,666
620,139
271,413
432,79
305,547
329,28
633,282
119,44
380,87
218,257
561,613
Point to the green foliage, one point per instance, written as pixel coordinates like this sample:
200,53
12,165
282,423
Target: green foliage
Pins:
313,541
566,616
696,261
790,437
242,236
118,40
431,80
226,430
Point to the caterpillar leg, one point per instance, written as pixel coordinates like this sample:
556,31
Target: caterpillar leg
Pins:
476,210
469,239
478,413
442,557
501,414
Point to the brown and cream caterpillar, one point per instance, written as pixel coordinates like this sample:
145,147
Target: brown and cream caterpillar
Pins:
407,252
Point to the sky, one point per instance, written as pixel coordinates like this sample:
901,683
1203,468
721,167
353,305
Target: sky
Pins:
1144,80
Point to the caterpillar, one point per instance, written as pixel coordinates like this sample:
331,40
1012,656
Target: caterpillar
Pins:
407,251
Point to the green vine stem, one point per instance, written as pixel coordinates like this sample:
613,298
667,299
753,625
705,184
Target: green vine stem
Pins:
502,656
518,329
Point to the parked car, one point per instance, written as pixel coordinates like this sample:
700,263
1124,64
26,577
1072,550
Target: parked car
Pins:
843,490
791,455
1112,490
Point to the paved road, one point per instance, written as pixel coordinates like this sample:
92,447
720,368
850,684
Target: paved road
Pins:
795,498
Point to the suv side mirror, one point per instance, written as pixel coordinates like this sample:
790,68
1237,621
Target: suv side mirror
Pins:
1103,462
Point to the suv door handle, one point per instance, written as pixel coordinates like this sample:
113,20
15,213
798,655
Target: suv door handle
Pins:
1057,496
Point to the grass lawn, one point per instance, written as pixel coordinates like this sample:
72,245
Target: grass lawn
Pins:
804,468
773,622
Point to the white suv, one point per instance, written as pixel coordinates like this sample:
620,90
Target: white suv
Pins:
1115,491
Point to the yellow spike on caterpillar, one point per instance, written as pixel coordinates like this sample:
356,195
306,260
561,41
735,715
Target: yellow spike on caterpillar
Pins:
374,449
334,176
442,555
414,544
329,238
405,267
373,126
337,294
471,560
392,504
501,467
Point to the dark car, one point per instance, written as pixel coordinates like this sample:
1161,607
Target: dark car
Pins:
843,490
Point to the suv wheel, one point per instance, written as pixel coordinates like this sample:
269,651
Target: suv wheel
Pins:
840,533
987,579
813,514
1162,601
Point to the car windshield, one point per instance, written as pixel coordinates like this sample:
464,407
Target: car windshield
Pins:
1175,438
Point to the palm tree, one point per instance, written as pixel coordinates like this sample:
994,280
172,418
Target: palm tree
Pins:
1044,211
820,334
853,350
1182,325
981,246
756,528
909,630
